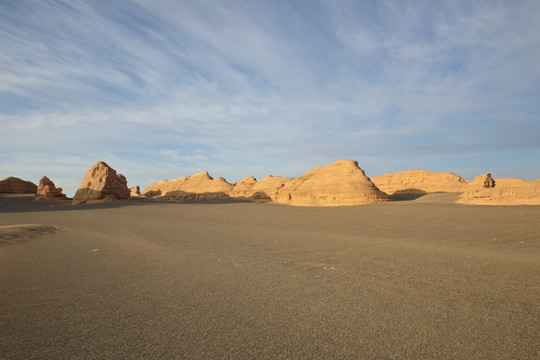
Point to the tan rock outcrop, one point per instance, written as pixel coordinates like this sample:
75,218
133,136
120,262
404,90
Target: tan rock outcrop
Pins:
506,192
135,191
202,182
340,184
243,188
47,190
269,186
264,190
418,182
164,186
482,181
14,185
101,183
198,186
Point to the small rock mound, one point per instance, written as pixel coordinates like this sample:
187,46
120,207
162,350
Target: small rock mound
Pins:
47,190
101,183
14,185
135,191
340,184
484,180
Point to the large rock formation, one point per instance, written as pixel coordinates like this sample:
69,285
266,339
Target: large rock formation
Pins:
342,183
339,184
506,192
199,186
14,185
101,183
47,190
419,182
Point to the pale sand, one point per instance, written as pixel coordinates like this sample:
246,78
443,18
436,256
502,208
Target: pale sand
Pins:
420,279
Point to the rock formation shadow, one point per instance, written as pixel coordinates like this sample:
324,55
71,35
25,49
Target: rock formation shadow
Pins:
26,203
408,194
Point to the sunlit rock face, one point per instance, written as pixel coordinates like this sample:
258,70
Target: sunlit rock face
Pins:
47,190
14,185
101,183
505,192
419,181
340,184
198,186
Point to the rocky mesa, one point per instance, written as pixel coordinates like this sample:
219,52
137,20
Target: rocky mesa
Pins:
14,185
340,184
424,181
47,190
419,182
101,183
198,186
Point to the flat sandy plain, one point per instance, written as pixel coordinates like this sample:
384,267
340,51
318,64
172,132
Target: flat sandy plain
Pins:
418,279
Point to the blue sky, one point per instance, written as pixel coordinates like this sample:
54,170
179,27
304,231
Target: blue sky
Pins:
162,89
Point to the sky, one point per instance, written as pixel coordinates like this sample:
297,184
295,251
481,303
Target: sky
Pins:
161,89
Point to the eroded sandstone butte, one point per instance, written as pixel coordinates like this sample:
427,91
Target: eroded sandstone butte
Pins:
340,184
198,186
47,190
14,185
419,182
266,189
101,183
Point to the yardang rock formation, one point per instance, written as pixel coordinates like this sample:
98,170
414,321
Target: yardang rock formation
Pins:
419,182
14,185
342,183
101,183
199,186
47,190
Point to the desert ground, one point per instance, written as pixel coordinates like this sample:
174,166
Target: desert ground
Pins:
420,278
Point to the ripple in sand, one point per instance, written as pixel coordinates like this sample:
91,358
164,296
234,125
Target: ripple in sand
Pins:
14,233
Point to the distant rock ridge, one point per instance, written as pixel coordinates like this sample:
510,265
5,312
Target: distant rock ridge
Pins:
101,183
14,185
339,184
419,181
47,190
345,183
198,186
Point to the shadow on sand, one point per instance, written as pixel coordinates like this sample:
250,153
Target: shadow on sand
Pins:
16,203
407,194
